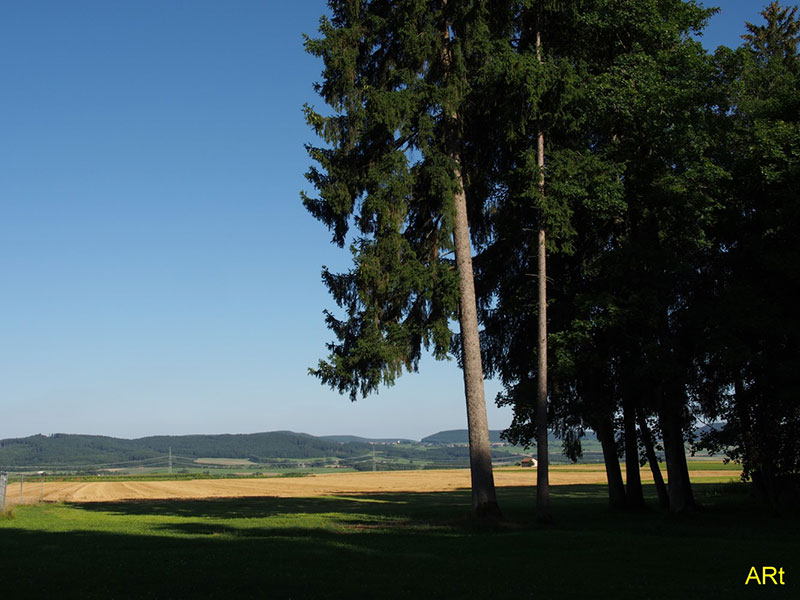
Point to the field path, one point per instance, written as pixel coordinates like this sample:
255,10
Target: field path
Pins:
312,485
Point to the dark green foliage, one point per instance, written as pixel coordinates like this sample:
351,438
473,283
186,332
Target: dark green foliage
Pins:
777,40
622,100
747,372
385,173
403,83
403,80
670,204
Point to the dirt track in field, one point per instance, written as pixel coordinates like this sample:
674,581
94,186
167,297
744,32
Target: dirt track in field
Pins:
312,485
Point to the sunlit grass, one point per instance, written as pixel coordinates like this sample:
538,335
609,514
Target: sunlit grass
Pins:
392,545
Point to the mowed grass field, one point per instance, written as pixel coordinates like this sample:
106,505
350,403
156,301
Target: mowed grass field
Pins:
398,544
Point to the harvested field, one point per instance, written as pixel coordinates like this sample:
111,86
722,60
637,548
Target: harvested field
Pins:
313,485
224,461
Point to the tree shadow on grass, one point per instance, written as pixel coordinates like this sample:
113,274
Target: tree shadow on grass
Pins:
378,503
517,502
387,545
726,511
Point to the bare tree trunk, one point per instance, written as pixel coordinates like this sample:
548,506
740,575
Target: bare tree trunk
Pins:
681,498
484,499
543,468
616,488
633,484
650,452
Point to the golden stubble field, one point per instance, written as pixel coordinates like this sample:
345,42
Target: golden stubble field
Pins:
312,485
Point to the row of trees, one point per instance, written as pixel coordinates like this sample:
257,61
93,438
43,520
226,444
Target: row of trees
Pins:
613,205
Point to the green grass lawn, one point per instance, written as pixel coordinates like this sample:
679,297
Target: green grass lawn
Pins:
396,546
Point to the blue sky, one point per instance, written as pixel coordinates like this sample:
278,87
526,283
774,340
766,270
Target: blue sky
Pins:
158,273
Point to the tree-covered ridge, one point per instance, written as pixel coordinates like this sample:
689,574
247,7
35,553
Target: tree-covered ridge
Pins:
461,436
62,449
364,440
458,436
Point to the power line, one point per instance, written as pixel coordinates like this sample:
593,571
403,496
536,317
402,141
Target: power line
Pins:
90,466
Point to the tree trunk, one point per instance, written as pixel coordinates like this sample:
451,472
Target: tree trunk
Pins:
633,484
543,468
542,472
616,488
658,479
484,499
680,488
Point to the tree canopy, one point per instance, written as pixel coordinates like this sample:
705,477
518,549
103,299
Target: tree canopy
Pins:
665,180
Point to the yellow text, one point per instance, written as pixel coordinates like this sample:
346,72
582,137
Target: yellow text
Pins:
766,573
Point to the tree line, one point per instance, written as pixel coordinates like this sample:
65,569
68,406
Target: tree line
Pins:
69,449
272,447
606,210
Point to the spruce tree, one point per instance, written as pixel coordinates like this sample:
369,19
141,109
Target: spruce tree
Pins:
532,84
746,376
625,203
394,182
655,100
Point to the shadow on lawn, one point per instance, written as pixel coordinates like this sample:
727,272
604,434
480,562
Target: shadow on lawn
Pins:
453,508
391,545
452,504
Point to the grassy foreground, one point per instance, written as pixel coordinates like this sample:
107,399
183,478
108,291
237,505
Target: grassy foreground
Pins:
396,546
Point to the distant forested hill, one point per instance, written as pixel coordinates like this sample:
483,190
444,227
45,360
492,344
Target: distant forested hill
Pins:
457,436
61,448
460,436
363,440
69,449
95,451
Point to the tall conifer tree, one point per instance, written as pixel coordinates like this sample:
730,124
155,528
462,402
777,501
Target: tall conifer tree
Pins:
747,370
394,184
623,123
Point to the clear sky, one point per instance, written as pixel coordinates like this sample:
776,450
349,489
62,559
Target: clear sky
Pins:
158,273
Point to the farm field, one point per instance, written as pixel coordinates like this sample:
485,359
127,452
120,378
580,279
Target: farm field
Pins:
445,480
395,544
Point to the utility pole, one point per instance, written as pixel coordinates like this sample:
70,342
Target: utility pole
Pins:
373,458
3,484
21,482
170,460
41,493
